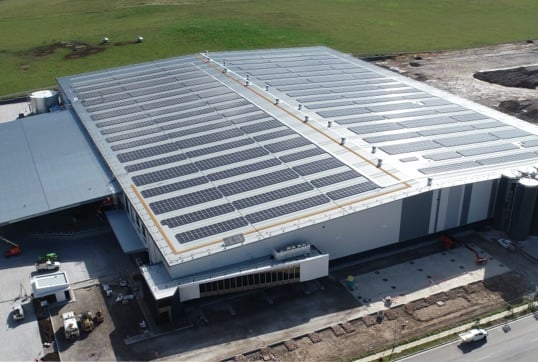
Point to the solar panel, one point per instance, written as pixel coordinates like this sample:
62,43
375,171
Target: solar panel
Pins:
507,158
465,140
318,166
180,202
249,118
166,174
147,152
198,215
510,133
442,156
287,144
139,133
209,138
219,148
272,195
141,142
373,117
289,208
116,113
335,178
240,111
410,147
156,162
272,135
492,124
469,117
449,167
115,121
328,105
394,107
230,158
424,122
424,112
351,190
126,127
530,143
488,149
257,182
445,130
181,123
377,127
392,137
244,169
302,155
211,230
200,129
261,126
159,190
343,112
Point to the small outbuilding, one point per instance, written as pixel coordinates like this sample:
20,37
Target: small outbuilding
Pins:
52,287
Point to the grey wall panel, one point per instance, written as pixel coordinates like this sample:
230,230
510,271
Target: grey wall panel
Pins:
415,217
448,215
479,207
455,198
467,191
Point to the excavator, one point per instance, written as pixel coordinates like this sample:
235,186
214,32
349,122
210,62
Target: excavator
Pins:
14,249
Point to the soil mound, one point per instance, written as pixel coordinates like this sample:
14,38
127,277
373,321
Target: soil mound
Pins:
521,77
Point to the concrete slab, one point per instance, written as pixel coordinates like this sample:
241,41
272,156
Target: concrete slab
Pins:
10,112
423,277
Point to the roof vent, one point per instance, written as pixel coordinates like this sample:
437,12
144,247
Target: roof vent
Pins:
329,124
342,140
430,180
277,101
266,88
247,83
374,149
305,119
299,106
248,76
224,62
379,162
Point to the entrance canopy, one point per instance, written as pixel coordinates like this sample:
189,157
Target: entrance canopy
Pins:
125,233
48,164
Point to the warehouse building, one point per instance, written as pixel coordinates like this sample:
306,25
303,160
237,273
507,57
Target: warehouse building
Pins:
247,169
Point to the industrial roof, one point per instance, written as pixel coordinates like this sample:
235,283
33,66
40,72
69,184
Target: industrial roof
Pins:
225,148
48,164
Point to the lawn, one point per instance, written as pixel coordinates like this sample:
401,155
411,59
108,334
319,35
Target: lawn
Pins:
178,27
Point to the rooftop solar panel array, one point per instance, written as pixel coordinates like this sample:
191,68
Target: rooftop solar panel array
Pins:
200,152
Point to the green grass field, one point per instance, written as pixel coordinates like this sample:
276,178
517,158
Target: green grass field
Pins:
178,27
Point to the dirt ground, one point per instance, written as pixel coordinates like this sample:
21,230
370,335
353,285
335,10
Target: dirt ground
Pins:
503,77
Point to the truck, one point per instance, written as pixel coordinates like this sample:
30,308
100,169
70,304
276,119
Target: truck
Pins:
473,335
71,329
48,265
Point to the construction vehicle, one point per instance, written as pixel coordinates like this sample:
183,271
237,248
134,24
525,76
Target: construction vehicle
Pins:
48,257
99,316
48,265
473,335
70,325
86,320
13,250
18,312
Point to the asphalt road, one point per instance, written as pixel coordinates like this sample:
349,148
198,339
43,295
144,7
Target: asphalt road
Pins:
518,344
